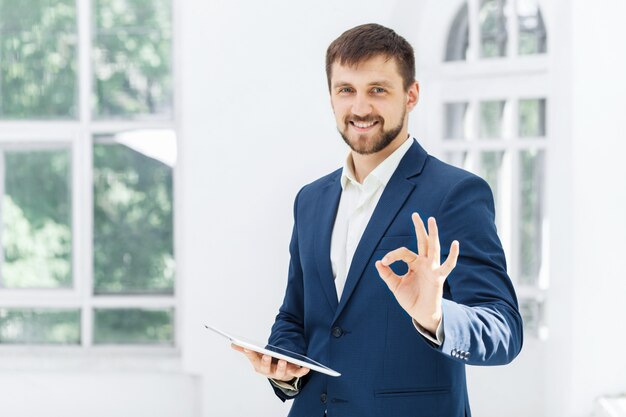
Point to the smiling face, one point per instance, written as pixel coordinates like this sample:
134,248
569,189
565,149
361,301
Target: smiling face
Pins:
371,104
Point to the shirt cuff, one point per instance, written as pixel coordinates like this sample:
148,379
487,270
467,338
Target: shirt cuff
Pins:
290,388
439,334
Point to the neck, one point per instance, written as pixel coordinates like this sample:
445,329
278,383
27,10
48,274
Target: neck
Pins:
364,164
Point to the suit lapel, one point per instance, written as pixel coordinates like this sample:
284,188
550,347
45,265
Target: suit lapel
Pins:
327,206
391,201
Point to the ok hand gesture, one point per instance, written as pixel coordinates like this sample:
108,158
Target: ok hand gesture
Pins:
419,292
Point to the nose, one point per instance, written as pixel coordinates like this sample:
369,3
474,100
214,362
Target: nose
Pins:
361,105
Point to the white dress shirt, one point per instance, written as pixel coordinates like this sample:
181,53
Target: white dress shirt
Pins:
356,207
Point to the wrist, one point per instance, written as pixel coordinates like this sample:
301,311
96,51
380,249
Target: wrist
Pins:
429,324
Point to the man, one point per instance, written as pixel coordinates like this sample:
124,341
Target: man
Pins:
367,292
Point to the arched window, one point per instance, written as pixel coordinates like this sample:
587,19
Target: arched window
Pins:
493,24
493,90
458,38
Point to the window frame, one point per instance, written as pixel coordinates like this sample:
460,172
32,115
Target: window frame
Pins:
511,78
78,134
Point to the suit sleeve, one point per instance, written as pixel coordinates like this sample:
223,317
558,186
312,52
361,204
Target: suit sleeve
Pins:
481,320
288,329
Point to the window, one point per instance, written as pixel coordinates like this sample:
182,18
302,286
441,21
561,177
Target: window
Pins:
496,126
87,161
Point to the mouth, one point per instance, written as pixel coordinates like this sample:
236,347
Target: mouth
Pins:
363,126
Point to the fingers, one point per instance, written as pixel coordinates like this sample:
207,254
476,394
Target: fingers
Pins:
281,371
420,233
387,274
265,368
300,371
450,262
400,254
434,249
263,364
286,371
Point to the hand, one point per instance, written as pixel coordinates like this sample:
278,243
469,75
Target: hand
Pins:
419,292
263,364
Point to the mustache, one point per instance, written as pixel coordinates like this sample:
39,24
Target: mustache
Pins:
366,119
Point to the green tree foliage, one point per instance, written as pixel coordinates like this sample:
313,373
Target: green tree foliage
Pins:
133,233
36,217
133,326
38,50
132,57
39,326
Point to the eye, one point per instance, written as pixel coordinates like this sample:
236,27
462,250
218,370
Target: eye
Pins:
344,90
378,90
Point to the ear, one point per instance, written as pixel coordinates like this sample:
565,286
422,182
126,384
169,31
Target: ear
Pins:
413,96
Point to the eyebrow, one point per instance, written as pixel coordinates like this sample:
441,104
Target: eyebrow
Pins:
382,83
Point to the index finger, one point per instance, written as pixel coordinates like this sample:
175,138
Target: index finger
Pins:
400,254
420,234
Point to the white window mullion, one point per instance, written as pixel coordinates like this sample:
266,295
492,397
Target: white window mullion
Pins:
511,28
1,211
86,234
134,302
176,71
77,217
473,53
22,298
84,60
515,268
473,130
82,173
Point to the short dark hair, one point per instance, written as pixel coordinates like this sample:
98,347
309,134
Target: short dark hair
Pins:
367,41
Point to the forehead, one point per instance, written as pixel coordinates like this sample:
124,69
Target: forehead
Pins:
375,68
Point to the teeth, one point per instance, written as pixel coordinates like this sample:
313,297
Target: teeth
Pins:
363,125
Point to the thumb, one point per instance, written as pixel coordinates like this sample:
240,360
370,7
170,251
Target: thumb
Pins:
387,274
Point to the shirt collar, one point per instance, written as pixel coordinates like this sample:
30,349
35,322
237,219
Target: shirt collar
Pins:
382,173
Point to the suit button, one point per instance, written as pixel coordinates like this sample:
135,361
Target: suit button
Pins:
323,398
337,331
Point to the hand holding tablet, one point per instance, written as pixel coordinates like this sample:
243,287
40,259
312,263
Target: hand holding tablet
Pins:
286,365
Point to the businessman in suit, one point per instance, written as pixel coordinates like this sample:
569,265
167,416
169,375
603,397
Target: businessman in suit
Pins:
397,278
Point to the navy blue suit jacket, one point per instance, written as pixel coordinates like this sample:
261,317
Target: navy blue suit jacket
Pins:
388,368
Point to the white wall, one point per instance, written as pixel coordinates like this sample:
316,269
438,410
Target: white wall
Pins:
599,201
62,393
256,126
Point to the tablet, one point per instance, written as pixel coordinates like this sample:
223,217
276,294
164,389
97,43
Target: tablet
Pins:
277,352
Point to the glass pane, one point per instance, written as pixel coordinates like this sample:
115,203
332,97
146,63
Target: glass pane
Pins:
491,113
133,223
456,121
40,326
491,171
38,44
532,31
132,58
493,34
458,37
532,312
532,118
133,326
532,175
36,219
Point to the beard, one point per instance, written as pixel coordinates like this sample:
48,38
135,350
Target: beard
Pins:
378,142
